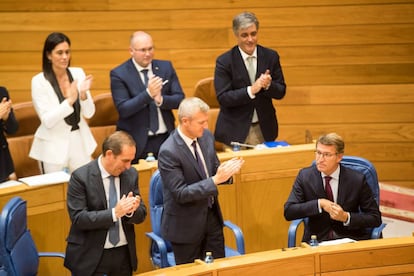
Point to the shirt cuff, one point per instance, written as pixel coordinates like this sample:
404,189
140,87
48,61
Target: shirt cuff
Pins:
114,218
346,223
249,92
129,215
319,207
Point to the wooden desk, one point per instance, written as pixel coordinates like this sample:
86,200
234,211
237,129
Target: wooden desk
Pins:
372,257
254,202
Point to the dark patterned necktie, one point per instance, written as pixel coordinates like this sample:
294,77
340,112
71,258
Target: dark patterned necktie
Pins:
153,112
203,171
329,195
199,161
328,188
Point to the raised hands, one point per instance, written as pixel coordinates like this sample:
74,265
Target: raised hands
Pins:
227,169
127,205
84,86
263,82
154,88
5,108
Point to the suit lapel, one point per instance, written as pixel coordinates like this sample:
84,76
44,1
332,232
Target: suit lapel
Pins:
240,66
186,151
156,69
97,178
318,185
205,150
135,77
261,65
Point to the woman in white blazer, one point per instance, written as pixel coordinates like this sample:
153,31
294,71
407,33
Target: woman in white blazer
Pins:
62,100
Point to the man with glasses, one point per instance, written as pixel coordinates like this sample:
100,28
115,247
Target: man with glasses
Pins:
145,91
337,200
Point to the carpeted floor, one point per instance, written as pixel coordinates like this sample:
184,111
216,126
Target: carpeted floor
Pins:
397,208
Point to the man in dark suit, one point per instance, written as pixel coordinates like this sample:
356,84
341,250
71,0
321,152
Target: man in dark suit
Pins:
192,219
246,79
145,91
101,240
337,200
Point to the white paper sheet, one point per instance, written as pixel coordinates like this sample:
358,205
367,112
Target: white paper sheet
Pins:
10,183
46,179
338,241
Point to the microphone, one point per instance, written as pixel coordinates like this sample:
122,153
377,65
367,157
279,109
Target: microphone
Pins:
237,144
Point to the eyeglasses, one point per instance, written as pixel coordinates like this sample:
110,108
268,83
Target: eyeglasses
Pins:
144,50
324,154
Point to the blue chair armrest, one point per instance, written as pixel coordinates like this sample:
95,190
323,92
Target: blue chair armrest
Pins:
293,227
377,231
51,254
238,234
162,247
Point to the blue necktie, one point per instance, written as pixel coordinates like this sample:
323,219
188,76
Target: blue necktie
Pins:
153,112
114,229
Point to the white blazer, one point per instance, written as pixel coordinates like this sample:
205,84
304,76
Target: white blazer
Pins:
51,143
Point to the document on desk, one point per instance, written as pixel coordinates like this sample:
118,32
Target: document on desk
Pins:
338,241
10,183
46,179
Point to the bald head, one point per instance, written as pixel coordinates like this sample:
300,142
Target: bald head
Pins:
141,48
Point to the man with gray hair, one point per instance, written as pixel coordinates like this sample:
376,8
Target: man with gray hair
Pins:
246,79
190,171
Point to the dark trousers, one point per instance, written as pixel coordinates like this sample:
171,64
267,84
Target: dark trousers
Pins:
212,241
114,262
153,145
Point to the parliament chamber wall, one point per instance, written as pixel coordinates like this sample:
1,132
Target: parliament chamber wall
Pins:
348,65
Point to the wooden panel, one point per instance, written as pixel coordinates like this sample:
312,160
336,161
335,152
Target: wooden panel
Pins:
396,171
348,94
337,114
352,133
367,258
206,58
173,19
77,5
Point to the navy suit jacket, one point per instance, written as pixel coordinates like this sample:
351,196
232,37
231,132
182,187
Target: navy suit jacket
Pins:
185,191
231,80
91,218
132,100
9,126
354,195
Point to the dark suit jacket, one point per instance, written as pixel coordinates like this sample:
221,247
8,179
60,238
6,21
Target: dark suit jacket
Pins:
132,101
185,192
236,107
91,218
9,126
354,195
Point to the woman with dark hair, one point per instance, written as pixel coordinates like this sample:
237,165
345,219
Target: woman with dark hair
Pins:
9,125
62,100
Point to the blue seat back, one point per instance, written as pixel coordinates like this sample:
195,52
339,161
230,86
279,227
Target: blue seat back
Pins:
156,202
364,166
18,253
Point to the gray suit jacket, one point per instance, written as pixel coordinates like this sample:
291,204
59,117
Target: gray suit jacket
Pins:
185,192
91,218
